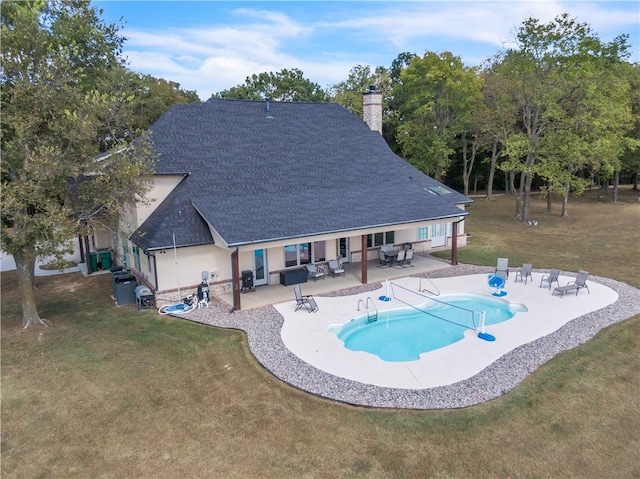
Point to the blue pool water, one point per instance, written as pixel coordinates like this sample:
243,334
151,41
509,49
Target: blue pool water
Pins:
401,335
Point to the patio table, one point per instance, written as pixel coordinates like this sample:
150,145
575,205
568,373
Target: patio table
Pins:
392,255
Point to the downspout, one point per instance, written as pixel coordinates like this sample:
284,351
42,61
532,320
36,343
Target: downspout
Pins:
155,271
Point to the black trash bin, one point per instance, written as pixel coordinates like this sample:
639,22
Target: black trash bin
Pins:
247,281
125,289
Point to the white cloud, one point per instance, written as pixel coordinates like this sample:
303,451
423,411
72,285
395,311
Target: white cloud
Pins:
213,58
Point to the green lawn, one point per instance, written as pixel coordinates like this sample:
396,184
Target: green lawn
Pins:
115,393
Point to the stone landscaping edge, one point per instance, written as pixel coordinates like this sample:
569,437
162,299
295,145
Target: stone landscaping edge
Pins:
263,326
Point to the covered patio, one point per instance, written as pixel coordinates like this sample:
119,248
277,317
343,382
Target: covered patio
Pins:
272,294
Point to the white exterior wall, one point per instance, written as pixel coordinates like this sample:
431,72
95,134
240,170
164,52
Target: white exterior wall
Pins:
217,260
191,262
162,186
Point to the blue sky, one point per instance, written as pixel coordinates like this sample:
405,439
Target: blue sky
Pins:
209,46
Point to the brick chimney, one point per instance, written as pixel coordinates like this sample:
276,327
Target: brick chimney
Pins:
372,108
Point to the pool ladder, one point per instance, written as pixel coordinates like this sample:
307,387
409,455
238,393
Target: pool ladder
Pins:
371,315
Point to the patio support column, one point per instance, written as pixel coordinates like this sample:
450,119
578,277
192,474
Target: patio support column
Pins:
235,275
454,243
364,259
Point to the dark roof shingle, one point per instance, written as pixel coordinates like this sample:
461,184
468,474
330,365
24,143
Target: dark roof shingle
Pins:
312,168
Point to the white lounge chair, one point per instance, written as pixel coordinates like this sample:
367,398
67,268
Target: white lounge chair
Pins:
581,281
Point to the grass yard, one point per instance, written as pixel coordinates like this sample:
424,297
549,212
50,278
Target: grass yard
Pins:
107,392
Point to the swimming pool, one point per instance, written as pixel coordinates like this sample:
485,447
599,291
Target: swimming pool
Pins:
402,334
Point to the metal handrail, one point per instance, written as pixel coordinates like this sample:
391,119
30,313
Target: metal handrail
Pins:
365,305
432,284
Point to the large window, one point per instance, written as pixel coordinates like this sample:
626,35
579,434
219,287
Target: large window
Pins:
379,239
297,254
319,251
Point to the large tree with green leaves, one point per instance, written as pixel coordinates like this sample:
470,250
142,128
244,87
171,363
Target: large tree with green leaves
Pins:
61,107
285,85
435,97
153,97
570,107
348,93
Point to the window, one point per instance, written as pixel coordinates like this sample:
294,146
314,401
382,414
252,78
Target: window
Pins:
379,239
438,190
295,255
319,251
290,256
422,233
136,257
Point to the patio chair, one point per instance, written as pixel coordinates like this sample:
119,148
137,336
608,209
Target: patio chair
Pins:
383,259
503,267
408,256
335,267
400,257
550,278
315,272
581,281
304,301
524,273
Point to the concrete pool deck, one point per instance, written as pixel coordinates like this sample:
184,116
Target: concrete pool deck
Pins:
263,326
305,334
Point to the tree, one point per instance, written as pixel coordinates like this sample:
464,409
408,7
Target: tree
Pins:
348,93
554,77
286,85
153,97
631,156
436,95
60,109
500,118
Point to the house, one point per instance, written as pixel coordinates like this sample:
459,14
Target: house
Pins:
268,187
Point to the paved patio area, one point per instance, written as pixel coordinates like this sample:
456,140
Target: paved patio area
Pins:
266,295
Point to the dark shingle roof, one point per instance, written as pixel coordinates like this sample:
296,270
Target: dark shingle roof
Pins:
311,168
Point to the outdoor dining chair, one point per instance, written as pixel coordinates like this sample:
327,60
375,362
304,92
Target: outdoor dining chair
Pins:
524,273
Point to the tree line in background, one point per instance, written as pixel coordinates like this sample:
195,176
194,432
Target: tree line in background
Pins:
558,113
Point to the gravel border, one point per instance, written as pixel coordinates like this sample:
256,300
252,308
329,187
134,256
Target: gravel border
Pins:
263,326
